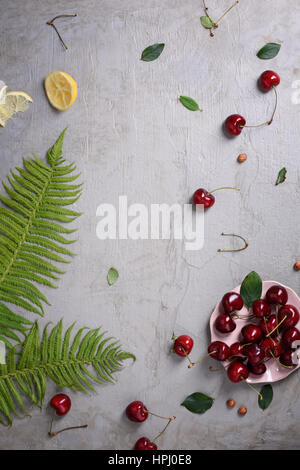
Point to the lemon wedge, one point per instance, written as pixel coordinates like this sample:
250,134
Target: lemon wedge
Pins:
15,101
61,90
3,89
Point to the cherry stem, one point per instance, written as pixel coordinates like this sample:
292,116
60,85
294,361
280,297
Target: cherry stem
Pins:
276,327
215,24
202,359
225,187
267,123
227,11
233,235
211,369
252,388
206,12
278,362
67,429
51,23
157,416
158,435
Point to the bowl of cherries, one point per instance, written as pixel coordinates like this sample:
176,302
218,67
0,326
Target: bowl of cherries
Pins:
255,331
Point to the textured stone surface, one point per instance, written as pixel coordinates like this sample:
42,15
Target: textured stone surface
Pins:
129,135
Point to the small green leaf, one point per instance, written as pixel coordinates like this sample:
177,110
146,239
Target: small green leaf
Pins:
198,402
251,288
281,176
112,276
206,22
152,52
189,103
267,396
269,51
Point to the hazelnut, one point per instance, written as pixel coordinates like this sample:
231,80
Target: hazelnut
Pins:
242,157
297,266
230,403
242,410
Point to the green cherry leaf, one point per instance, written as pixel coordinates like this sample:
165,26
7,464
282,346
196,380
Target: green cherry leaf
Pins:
269,51
206,22
112,276
251,288
281,176
198,403
267,396
189,103
152,52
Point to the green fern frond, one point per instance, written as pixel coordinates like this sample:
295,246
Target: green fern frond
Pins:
89,358
32,235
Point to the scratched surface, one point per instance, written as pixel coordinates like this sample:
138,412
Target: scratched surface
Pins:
129,135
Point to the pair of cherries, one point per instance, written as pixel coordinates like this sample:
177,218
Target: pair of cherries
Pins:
235,123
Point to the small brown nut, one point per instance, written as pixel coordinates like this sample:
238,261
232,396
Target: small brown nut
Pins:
242,157
297,266
231,403
242,410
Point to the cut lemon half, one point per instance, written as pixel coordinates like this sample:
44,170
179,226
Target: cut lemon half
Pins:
15,101
61,90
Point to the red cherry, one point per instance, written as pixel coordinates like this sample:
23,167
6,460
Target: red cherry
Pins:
289,336
271,345
224,323
254,353
257,369
237,371
201,196
277,295
236,349
268,79
183,345
251,333
232,301
145,444
61,403
269,325
136,411
234,124
291,314
287,358
222,350
261,308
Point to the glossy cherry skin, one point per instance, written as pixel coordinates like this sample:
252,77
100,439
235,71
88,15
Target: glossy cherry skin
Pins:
237,371
268,79
145,444
232,301
61,403
261,308
255,354
287,358
291,314
291,335
257,369
234,123
251,333
136,411
277,295
222,350
271,345
236,349
269,325
225,324
201,196
183,345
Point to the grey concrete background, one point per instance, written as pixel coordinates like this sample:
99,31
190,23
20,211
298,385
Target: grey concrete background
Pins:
128,134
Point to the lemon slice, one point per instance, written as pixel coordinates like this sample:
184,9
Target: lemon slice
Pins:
15,101
61,90
3,89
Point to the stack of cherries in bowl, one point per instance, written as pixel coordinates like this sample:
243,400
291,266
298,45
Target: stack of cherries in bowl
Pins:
259,344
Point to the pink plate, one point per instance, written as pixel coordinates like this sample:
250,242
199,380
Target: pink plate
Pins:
274,371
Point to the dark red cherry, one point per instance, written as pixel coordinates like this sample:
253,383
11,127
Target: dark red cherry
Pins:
254,353
288,358
271,345
237,371
136,411
268,79
290,336
61,403
261,308
277,295
291,314
221,350
234,124
183,345
145,444
269,325
257,369
201,196
224,323
232,301
236,349
251,333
